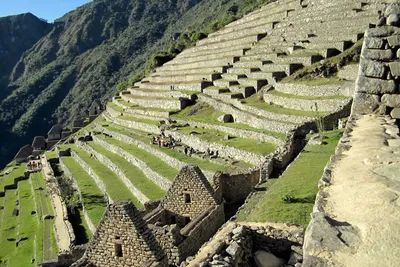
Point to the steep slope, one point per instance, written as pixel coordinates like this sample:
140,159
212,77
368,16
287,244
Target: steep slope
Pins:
87,53
18,34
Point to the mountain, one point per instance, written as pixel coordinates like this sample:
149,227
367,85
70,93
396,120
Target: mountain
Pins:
86,53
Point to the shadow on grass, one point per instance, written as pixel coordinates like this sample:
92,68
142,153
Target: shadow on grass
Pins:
75,219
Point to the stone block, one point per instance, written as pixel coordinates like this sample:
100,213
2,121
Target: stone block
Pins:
391,100
374,43
394,41
394,143
393,20
365,103
376,86
377,54
382,31
395,114
373,69
393,8
395,68
266,259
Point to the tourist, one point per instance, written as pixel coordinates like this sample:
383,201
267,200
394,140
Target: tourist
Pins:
159,142
217,154
185,150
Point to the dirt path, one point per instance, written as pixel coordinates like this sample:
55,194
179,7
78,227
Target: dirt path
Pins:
62,234
365,193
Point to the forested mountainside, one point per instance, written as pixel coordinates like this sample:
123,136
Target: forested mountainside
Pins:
89,51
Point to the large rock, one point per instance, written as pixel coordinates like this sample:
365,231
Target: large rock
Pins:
383,31
226,118
374,43
391,100
373,68
365,103
376,86
378,54
349,72
394,40
233,249
393,20
395,68
395,114
393,8
266,259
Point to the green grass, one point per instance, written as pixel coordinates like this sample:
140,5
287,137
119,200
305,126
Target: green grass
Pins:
204,113
115,107
16,172
132,118
277,93
133,106
92,197
257,101
300,181
134,174
155,163
203,164
116,189
51,155
214,136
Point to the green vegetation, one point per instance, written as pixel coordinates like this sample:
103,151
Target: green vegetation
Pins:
155,163
291,197
92,197
134,174
214,136
203,164
277,93
14,170
257,101
51,155
116,189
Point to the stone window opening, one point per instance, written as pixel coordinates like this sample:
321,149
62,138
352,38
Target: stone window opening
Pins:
118,247
188,199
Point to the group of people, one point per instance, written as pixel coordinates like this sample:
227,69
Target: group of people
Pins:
163,141
32,165
189,151
212,154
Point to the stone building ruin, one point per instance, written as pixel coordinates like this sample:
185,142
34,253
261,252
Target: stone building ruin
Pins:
188,215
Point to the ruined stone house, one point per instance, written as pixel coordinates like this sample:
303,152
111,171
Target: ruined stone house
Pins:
39,143
95,109
186,217
23,154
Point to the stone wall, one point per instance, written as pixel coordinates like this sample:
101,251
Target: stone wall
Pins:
235,131
92,174
109,164
133,124
143,112
152,175
66,259
68,173
235,244
156,103
177,164
235,187
377,86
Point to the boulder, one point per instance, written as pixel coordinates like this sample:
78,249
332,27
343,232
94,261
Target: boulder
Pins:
376,86
393,8
395,114
381,22
377,54
226,118
373,69
393,20
233,249
391,100
266,259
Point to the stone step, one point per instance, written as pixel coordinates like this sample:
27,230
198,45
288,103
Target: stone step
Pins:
140,111
224,83
310,90
245,91
209,54
271,77
157,93
246,62
225,61
228,96
263,28
185,78
255,83
160,102
239,42
195,86
237,70
214,90
208,69
324,105
233,76
288,69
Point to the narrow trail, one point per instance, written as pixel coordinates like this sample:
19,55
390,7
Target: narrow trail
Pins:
368,199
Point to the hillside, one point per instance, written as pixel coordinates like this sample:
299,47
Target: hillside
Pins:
87,53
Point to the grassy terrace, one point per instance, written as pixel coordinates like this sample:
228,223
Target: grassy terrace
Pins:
134,174
277,93
116,189
44,207
134,106
15,172
155,163
257,101
298,185
214,136
51,155
203,164
131,118
92,197
201,112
